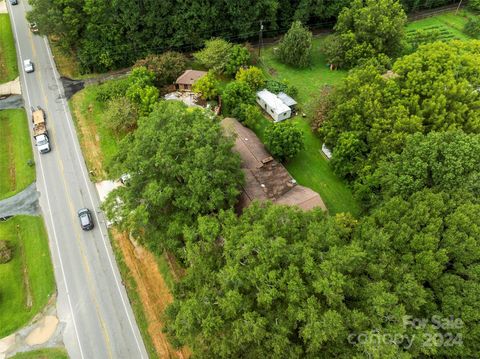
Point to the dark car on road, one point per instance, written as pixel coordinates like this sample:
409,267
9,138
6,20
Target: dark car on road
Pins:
13,2
86,220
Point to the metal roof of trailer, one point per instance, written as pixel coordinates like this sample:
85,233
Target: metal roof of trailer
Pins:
273,101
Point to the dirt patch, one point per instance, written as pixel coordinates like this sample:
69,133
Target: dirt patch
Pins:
153,293
11,158
89,139
26,278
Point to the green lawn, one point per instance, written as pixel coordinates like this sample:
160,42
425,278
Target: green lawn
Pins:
31,252
52,353
310,168
15,153
448,22
8,56
98,144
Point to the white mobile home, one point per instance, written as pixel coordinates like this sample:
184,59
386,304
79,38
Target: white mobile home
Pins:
274,106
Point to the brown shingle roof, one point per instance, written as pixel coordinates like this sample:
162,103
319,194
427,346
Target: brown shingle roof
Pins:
189,77
265,178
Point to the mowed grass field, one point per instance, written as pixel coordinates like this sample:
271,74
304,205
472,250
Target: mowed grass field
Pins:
15,153
8,56
310,168
51,353
27,281
97,142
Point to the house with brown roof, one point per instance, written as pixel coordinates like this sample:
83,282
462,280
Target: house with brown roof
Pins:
265,178
187,79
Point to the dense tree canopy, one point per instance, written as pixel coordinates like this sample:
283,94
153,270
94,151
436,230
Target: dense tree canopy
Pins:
433,89
114,34
442,161
276,290
181,166
281,283
367,29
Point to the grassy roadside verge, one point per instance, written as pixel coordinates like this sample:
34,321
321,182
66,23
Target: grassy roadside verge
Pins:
8,56
52,353
26,282
67,64
98,144
15,153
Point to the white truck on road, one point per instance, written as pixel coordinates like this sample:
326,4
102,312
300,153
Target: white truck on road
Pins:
40,133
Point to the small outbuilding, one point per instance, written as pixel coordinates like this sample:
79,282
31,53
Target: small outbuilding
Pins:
273,105
187,79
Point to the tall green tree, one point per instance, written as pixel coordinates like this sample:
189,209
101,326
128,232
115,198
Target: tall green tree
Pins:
296,46
252,76
239,56
181,167
369,28
236,94
215,55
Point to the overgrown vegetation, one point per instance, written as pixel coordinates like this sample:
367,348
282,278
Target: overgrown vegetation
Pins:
52,353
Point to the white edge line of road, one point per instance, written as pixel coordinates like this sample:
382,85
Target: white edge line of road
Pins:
47,197
66,111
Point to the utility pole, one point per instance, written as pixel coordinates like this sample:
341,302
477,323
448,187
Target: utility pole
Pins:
260,38
458,7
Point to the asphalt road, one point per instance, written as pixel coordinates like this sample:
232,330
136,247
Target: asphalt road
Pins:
92,302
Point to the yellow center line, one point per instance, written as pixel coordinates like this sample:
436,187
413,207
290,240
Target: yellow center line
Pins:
91,286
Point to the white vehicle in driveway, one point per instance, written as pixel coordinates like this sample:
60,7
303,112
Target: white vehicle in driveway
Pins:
28,65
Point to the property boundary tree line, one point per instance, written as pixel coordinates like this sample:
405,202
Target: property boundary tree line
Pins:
108,35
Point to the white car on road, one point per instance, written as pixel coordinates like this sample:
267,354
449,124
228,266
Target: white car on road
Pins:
28,65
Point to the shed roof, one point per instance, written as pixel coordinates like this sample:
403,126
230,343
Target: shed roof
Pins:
189,77
287,100
273,101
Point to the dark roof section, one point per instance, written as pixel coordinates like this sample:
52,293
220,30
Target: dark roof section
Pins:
265,178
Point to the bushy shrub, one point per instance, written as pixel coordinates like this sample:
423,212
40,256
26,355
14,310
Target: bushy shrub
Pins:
207,86
166,67
239,56
235,94
252,76
121,116
281,86
474,5
6,252
249,115
472,27
284,140
112,89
